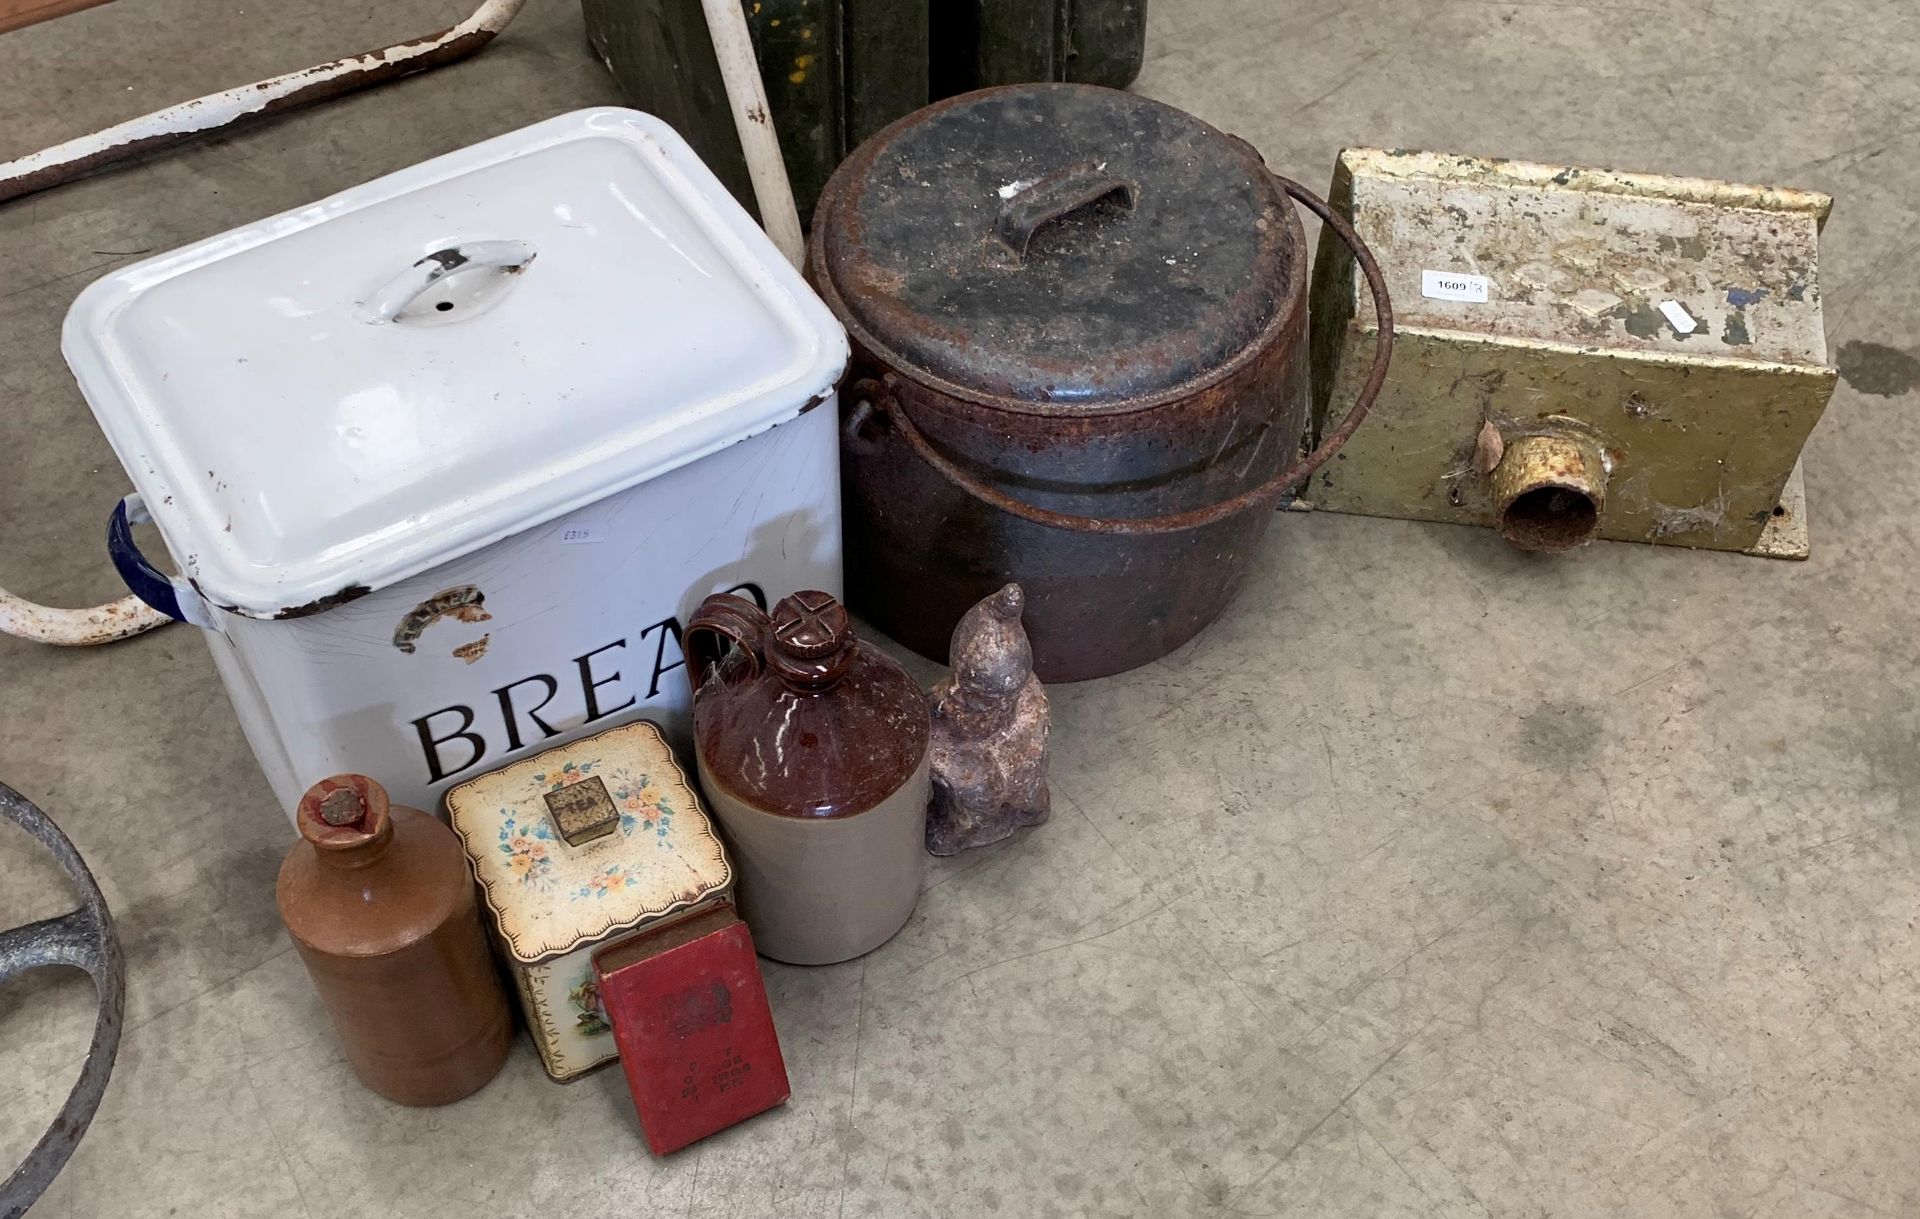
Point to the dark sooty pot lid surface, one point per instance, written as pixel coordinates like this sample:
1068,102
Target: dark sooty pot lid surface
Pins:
1156,247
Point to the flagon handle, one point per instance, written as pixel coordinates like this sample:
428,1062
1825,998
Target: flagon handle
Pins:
881,395
724,621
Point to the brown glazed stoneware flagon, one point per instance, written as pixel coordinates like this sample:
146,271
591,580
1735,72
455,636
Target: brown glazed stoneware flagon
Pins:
379,901
812,752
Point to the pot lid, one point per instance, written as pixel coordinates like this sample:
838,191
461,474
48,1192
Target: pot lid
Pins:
1061,244
352,392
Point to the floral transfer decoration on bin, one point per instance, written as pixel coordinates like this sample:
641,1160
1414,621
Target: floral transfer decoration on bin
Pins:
548,896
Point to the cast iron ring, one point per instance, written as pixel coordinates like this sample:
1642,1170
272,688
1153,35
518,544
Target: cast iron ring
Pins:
81,939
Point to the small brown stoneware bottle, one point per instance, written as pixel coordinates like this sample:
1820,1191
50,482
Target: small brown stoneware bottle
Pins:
380,904
812,750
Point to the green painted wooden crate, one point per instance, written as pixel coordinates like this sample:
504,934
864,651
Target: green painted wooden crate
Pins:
977,43
836,71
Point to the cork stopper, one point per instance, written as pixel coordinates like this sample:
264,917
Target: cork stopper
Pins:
343,807
343,811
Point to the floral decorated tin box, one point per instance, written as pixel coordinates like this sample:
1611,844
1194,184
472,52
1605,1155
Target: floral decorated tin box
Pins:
577,848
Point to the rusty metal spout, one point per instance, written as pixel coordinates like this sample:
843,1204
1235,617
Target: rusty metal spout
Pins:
1548,490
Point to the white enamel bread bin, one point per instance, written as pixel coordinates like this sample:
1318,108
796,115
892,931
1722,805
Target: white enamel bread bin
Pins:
445,461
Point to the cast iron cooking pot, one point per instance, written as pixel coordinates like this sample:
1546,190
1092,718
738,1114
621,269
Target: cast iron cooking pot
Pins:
1079,322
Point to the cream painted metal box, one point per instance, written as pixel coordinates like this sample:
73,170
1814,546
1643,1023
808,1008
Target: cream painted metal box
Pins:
575,848
445,460
1580,352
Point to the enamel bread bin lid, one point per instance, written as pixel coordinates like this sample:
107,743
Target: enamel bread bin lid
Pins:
350,393
641,848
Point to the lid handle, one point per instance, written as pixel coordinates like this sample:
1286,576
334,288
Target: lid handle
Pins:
400,291
1031,206
583,811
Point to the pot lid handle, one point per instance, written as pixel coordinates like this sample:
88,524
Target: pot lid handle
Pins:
1030,206
399,292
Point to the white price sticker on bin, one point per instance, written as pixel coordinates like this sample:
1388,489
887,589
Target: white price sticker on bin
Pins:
1454,286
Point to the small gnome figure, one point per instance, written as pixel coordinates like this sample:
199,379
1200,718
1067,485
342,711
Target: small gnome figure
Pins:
990,721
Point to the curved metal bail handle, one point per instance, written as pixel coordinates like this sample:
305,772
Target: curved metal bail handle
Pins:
724,620
81,939
1031,206
1333,441
397,293
1197,518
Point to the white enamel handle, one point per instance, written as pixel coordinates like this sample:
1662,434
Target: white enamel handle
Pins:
400,291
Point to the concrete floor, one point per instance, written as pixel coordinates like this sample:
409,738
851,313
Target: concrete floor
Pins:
1433,880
